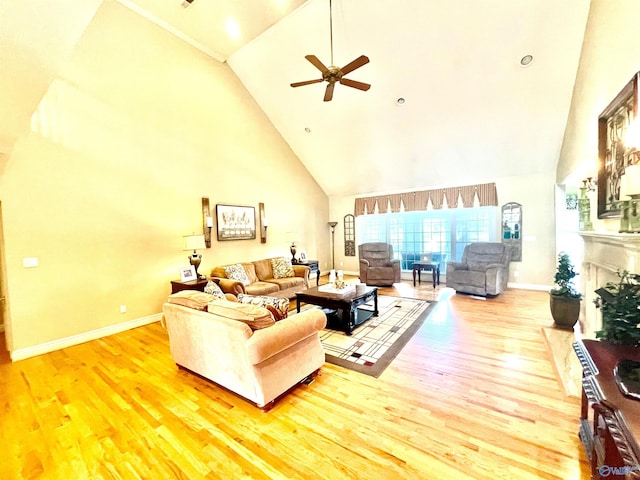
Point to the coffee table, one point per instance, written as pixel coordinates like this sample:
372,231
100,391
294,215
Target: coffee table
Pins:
347,304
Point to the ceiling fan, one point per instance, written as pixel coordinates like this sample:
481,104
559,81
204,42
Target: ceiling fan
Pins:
333,74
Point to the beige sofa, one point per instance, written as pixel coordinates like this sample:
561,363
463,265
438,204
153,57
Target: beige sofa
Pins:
260,365
262,281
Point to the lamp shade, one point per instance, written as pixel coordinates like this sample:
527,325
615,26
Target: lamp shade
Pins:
193,242
630,182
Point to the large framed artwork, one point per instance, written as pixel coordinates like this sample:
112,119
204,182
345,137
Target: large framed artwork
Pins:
235,222
613,156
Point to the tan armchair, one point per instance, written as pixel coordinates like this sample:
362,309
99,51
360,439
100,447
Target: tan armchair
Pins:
483,270
377,266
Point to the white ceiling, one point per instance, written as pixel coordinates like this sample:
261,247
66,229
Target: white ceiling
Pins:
472,113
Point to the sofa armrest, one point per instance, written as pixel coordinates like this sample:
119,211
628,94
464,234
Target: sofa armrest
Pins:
496,265
453,266
228,285
302,271
267,342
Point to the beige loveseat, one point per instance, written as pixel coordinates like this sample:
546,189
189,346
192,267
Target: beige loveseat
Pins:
260,365
261,279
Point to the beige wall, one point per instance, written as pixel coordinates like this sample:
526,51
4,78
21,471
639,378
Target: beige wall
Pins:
132,132
534,192
608,61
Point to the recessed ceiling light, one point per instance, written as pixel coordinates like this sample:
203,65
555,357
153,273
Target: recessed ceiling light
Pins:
526,60
307,129
400,101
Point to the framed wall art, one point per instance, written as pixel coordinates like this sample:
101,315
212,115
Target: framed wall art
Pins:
235,222
613,156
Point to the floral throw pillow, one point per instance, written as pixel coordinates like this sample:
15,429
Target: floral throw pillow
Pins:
279,307
212,288
238,273
282,267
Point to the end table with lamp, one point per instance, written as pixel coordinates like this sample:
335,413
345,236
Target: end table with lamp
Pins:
194,242
314,265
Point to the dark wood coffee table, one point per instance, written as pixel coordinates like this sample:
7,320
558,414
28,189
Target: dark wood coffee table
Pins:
346,304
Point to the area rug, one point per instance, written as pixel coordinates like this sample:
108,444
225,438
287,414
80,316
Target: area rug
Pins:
373,345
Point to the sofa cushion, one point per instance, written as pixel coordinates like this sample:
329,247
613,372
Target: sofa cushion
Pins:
192,299
237,272
282,267
212,288
279,307
254,316
288,282
263,268
262,288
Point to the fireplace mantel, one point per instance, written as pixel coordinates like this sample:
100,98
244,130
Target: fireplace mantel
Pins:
605,253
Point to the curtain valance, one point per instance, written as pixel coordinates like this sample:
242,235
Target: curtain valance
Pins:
486,194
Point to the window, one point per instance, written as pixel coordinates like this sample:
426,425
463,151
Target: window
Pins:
439,235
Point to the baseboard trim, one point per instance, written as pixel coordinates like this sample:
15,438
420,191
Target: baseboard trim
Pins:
23,353
529,286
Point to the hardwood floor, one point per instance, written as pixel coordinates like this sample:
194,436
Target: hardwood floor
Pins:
473,395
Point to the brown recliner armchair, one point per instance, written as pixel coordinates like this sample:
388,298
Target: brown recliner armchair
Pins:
377,266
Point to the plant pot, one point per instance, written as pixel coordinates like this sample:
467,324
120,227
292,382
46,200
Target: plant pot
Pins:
564,310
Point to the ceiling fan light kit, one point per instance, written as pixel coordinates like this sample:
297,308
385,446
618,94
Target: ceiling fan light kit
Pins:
333,74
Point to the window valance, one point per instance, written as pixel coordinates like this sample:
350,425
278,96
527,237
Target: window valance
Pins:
486,194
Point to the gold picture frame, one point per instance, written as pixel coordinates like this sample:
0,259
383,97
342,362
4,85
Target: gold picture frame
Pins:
235,222
613,156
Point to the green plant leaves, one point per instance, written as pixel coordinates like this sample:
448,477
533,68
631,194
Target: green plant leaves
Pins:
620,305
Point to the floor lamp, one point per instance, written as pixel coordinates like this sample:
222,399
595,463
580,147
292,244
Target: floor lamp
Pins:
333,244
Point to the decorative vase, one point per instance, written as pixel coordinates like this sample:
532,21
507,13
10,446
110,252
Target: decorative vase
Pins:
564,310
293,251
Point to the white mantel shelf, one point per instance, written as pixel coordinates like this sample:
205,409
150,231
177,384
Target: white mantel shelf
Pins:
614,238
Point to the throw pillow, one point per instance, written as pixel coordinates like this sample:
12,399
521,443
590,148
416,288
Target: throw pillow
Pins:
279,307
255,317
212,288
192,299
238,273
282,268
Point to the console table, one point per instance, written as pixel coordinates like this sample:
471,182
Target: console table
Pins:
314,265
609,421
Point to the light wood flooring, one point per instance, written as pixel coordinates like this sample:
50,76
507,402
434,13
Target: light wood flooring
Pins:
473,395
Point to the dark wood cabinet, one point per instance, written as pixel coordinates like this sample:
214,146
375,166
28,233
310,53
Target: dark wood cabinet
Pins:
314,265
199,284
609,421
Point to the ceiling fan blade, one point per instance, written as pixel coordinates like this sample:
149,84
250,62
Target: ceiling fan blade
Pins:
357,63
317,63
355,84
308,82
328,94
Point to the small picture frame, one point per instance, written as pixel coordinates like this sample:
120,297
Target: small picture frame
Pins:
187,273
302,256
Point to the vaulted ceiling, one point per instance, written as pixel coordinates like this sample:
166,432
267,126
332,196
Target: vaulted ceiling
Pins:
471,111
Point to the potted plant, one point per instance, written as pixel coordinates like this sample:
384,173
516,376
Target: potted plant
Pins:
620,303
564,299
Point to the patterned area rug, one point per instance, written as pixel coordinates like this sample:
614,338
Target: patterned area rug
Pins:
375,343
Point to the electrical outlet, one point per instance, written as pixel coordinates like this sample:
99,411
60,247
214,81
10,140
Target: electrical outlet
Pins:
30,262
123,309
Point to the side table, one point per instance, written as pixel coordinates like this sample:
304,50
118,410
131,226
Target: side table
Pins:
434,267
199,284
314,265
